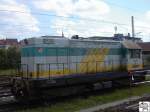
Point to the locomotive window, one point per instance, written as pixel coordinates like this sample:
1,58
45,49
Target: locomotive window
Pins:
135,53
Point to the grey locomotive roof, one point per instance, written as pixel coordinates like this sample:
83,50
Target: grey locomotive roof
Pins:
145,46
64,38
131,45
89,40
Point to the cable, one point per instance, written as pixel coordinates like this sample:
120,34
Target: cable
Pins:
103,21
44,14
70,17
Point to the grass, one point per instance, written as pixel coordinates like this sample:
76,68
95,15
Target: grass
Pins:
8,72
148,77
79,103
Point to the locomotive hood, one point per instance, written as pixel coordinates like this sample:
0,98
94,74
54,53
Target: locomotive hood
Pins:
131,45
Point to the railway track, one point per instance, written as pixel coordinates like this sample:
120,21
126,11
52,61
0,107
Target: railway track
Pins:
130,106
5,89
9,104
7,101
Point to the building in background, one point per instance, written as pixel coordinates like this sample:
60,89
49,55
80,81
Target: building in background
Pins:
5,43
146,52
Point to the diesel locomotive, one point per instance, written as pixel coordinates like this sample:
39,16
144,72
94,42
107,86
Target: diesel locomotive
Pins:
54,65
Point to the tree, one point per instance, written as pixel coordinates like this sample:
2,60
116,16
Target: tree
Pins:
10,58
3,59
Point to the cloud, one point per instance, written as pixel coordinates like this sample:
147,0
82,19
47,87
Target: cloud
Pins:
91,8
82,9
98,10
82,28
1,36
142,28
148,15
16,18
60,7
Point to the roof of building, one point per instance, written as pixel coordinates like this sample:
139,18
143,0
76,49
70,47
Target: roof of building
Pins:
2,42
11,41
8,42
131,45
145,46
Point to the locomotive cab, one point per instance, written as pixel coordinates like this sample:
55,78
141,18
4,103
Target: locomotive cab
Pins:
134,62
133,56
134,59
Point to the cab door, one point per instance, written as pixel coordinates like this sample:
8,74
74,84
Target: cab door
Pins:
134,61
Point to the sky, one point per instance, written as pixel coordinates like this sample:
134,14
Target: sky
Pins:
33,18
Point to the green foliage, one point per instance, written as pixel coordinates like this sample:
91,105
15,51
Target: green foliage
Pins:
9,58
74,105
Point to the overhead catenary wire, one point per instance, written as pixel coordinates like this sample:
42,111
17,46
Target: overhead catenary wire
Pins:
130,9
68,17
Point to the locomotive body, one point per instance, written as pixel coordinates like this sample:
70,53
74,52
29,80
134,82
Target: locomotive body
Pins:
44,57
52,62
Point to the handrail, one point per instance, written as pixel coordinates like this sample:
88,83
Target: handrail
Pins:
78,67
61,66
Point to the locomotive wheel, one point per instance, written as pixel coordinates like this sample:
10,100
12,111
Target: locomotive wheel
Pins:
21,95
20,92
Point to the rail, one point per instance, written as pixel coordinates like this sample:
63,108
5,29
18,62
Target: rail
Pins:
5,88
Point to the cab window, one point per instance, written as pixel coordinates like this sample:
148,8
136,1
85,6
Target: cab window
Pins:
135,53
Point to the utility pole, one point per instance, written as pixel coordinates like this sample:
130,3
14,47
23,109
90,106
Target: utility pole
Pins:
132,22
